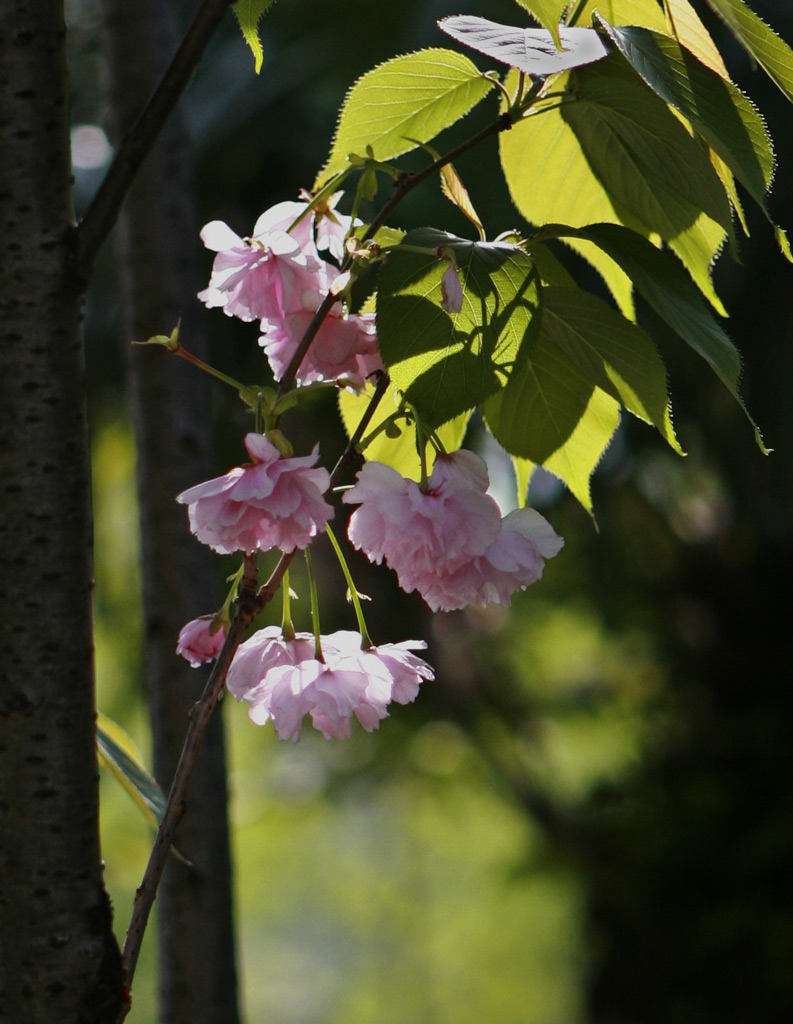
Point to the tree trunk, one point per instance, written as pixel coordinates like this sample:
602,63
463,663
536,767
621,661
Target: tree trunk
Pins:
158,233
58,958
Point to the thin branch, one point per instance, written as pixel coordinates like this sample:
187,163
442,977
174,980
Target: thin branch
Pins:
409,181
249,603
247,607
360,430
300,352
135,146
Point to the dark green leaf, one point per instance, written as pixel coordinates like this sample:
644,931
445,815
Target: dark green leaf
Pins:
446,363
642,154
667,289
551,414
612,352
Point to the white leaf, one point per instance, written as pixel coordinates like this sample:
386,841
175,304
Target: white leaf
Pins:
532,50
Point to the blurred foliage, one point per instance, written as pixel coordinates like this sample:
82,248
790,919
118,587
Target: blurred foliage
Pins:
587,816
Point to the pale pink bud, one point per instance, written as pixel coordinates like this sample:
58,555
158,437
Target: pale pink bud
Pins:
451,289
198,643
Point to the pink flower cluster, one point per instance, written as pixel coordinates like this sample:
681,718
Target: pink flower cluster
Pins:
449,542
284,681
278,277
273,502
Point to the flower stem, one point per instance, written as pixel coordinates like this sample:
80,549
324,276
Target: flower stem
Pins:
312,584
183,352
287,627
366,641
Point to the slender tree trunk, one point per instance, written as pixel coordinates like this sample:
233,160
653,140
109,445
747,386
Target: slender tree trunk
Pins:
158,233
58,959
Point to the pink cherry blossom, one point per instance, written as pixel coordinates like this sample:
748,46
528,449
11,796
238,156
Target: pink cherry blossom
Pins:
417,531
264,276
276,271
345,347
273,502
284,681
198,643
514,561
450,542
331,228
396,662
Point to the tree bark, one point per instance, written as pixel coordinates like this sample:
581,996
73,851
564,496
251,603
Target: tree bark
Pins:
58,958
170,401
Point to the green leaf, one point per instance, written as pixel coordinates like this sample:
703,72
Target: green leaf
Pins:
399,452
773,54
118,753
402,103
547,13
446,363
663,284
455,191
551,182
625,12
617,154
649,164
688,30
717,110
552,414
249,14
523,471
612,352
576,461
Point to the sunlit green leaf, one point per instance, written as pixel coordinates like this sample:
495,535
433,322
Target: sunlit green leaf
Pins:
615,153
667,289
547,13
771,53
647,13
577,459
456,192
402,103
249,14
399,452
118,753
556,171
523,470
648,163
612,352
446,363
691,33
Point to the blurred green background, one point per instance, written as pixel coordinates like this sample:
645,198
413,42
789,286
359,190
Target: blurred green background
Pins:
587,816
